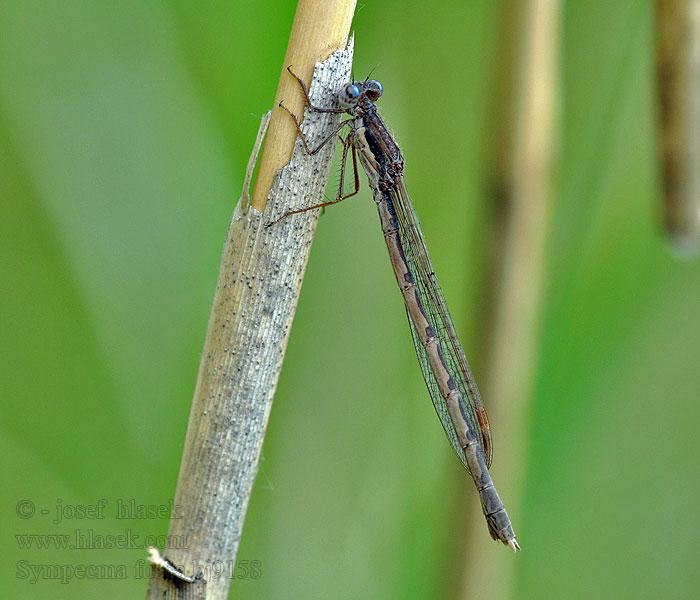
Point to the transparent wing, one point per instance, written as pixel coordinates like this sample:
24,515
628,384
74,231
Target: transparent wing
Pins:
433,299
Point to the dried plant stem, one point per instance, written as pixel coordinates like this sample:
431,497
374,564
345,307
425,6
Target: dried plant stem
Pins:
254,303
320,28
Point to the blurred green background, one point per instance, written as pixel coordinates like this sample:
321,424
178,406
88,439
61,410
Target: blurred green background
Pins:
124,132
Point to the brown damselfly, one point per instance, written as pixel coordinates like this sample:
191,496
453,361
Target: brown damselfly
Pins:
445,368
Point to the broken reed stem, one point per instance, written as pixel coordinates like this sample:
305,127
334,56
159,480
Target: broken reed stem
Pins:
260,278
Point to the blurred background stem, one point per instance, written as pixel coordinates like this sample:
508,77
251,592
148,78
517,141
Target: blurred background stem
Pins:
678,81
525,155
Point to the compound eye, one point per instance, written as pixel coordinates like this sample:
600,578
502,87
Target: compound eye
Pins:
374,89
349,95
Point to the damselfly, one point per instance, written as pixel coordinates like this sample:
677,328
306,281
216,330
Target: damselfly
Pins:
445,368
